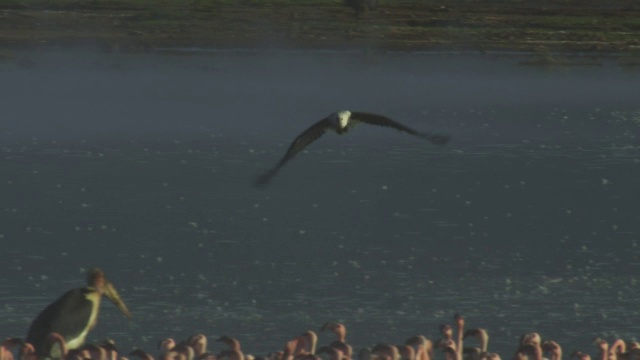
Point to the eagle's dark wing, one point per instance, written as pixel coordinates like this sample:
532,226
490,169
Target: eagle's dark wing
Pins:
303,140
380,120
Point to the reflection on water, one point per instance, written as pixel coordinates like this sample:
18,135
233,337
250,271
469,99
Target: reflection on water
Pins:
143,165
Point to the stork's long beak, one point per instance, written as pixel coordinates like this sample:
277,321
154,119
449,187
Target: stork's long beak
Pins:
111,292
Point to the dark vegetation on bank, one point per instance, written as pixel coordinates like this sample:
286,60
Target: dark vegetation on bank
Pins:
541,27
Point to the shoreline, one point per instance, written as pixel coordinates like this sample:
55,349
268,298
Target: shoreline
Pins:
424,27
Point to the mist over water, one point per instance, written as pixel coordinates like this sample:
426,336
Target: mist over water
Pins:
143,165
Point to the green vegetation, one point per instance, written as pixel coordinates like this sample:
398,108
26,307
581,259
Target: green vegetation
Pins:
168,4
560,25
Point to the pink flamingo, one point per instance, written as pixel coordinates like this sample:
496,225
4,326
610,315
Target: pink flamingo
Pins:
424,353
141,354
232,343
165,345
407,352
110,347
364,354
450,351
618,348
530,351
199,344
604,348
173,351
307,357
289,351
337,328
633,352
308,342
385,352
300,345
531,338
230,355
447,343
332,353
208,356
460,324
235,350
6,348
447,332
530,346
94,352
104,351
346,349
28,352
481,334
423,347
553,348
580,355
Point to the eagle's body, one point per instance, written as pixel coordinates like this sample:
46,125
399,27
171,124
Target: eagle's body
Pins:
340,122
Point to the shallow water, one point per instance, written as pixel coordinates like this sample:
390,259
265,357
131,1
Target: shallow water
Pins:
143,165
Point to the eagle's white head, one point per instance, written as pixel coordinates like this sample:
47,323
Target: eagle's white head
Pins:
342,118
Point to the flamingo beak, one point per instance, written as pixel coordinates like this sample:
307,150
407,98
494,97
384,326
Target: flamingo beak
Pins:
111,293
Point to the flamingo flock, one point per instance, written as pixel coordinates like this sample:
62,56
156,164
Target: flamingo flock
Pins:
449,346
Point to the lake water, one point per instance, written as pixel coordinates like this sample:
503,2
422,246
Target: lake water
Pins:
142,164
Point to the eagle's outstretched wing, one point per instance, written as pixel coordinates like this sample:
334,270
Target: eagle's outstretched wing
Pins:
303,140
380,120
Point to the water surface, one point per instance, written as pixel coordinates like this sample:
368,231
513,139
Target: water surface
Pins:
143,165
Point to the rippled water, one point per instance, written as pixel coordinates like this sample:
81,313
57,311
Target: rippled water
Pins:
143,165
